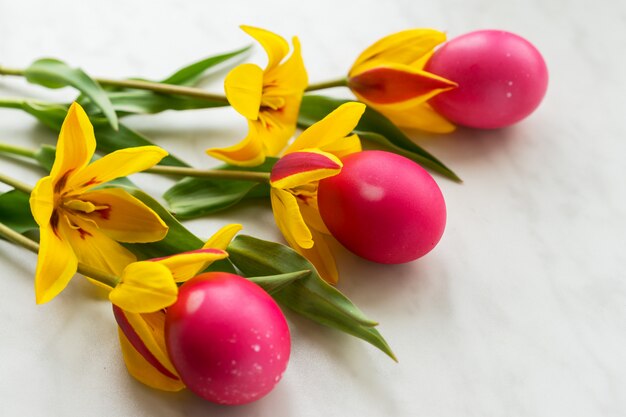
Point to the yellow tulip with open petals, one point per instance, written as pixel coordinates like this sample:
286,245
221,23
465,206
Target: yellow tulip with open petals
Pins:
81,224
268,98
389,76
294,179
142,335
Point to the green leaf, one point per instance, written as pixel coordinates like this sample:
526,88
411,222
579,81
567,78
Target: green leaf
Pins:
190,74
109,140
274,283
375,127
311,296
15,211
53,73
195,197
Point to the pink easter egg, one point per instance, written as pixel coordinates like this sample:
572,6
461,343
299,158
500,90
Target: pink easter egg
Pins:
383,207
502,79
227,338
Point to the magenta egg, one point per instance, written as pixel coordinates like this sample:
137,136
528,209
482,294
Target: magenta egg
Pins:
227,338
383,207
502,79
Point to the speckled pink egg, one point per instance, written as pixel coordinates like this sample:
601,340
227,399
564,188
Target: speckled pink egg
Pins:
502,79
383,207
227,338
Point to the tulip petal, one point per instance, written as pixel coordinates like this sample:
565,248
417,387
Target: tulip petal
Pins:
397,83
276,127
289,219
422,117
303,167
332,128
290,77
56,265
75,147
92,247
143,344
145,287
124,218
244,87
221,239
275,46
117,164
186,265
322,258
402,47
42,201
248,152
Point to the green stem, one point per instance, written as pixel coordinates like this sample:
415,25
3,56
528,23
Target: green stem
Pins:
339,82
17,150
18,185
162,88
211,173
86,270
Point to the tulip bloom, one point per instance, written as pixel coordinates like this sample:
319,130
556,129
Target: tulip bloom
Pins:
81,224
142,335
389,76
269,99
313,156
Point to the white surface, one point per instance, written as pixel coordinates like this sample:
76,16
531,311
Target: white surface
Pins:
520,311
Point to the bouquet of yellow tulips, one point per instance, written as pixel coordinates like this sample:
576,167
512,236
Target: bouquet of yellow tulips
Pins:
205,314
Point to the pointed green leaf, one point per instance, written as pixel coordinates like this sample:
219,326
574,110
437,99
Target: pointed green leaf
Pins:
15,211
53,73
195,197
375,127
274,283
311,296
190,74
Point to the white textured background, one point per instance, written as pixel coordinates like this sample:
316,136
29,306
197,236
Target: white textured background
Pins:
521,309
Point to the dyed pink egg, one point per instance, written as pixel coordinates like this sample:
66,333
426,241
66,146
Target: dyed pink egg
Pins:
227,338
502,79
383,207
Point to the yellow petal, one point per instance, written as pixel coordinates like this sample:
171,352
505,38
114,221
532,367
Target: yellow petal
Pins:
422,117
248,152
143,345
56,265
322,258
344,146
184,266
94,248
42,201
75,146
403,47
393,83
221,239
115,165
275,46
311,214
244,87
332,128
145,287
124,218
275,128
289,219
290,77
303,167
143,371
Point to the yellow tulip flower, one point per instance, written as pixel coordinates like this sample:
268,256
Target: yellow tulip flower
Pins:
142,335
81,224
294,179
389,76
269,99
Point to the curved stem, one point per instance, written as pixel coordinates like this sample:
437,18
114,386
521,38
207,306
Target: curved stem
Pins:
18,185
339,82
211,173
142,85
86,270
17,150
